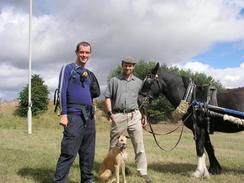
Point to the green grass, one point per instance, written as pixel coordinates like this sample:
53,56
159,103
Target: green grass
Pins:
32,158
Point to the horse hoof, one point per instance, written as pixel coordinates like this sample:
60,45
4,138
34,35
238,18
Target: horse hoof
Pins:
201,174
215,171
206,174
198,173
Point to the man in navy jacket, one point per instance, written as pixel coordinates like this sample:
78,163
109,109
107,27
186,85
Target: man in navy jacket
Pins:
77,116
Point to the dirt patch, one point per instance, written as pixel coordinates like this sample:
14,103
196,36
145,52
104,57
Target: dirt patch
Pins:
4,106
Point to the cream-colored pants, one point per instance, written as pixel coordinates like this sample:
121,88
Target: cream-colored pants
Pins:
130,122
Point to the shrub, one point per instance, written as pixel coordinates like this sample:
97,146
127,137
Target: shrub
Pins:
39,97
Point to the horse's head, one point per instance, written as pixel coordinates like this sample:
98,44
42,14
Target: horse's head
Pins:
152,86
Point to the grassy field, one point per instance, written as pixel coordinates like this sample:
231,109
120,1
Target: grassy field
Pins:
32,158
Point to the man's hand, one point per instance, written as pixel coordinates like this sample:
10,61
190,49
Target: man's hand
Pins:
108,107
144,121
63,120
110,116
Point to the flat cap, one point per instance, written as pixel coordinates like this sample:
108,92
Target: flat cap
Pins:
129,60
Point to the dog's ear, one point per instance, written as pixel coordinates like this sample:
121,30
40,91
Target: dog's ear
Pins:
127,137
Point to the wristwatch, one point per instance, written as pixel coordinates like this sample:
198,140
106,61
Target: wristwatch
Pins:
109,114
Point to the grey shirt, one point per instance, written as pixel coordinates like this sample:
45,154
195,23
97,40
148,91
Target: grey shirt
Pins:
123,93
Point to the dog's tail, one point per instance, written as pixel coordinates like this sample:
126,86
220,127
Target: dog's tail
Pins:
106,175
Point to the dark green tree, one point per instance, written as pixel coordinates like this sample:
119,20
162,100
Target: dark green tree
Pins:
39,97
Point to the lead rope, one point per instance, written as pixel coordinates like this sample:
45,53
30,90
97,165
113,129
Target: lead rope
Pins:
166,133
168,150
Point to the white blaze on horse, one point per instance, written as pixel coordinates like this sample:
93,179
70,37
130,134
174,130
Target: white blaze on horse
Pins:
177,88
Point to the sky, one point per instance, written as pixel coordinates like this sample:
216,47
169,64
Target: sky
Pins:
202,35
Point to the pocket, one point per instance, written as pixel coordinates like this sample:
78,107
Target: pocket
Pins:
68,143
115,117
139,114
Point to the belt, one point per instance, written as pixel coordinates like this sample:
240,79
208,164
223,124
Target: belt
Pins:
87,111
124,110
80,106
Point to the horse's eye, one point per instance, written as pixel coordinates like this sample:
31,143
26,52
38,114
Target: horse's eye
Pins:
152,76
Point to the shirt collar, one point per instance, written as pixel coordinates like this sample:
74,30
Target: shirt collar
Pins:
78,67
121,76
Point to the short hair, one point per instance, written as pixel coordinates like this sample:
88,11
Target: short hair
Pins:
83,43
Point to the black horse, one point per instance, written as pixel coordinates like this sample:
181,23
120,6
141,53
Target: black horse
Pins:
174,87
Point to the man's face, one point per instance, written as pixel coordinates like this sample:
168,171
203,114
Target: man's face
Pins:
128,68
83,54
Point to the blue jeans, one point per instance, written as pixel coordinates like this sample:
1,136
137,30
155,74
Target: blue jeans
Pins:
77,139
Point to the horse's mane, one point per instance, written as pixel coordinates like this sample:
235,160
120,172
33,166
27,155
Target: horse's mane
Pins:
239,89
186,81
176,76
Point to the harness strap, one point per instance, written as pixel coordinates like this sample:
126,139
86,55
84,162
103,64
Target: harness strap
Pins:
188,90
56,100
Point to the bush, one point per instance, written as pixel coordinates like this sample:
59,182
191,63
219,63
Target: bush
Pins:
159,109
39,97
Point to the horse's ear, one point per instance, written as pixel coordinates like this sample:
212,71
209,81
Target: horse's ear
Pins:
155,69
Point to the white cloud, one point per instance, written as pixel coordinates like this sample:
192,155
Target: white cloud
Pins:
196,66
170,31
12,77
229,77
12,82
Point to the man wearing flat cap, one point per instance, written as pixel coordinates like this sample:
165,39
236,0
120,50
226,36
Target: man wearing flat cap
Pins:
121,104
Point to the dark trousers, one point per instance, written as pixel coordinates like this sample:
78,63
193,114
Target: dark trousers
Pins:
77,138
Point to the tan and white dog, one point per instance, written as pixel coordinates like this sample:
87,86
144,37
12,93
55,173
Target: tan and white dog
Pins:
114,162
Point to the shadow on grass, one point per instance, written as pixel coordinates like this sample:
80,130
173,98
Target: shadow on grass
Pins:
96,167
40,175
131,169
186,168
45,175
169,167
229,170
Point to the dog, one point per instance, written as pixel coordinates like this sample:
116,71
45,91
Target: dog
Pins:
114,162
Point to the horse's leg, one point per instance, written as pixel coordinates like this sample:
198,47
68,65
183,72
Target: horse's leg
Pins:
201,170
214,166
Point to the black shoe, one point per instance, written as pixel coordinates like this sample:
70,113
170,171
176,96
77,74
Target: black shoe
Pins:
146,178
